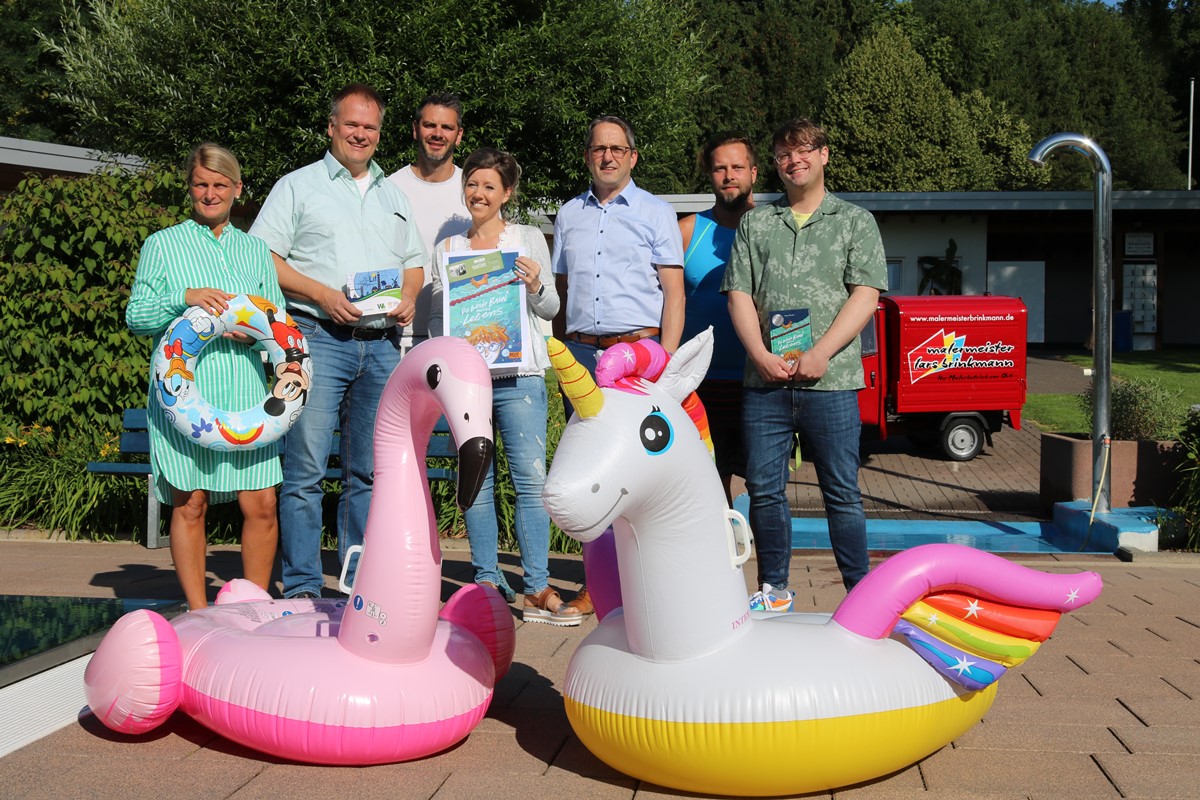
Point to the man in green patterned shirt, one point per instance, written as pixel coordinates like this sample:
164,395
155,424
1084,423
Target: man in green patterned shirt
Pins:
803,280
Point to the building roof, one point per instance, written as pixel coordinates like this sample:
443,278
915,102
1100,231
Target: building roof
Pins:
24,155
977,202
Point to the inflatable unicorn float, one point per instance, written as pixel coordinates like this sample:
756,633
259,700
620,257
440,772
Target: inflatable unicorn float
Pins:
681,685
382,677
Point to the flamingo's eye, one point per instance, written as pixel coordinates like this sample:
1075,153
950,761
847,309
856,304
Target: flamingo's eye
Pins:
433,376
656,433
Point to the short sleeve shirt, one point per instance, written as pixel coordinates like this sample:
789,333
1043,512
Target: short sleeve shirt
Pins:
783,267
319,222
609,253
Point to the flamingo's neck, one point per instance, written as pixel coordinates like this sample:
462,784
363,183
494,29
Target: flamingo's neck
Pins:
397,587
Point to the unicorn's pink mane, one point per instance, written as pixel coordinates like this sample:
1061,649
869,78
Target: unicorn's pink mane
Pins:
625,366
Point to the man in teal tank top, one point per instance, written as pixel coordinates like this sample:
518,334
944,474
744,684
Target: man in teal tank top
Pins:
732,165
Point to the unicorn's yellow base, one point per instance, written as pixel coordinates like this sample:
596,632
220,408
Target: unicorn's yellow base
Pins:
774,758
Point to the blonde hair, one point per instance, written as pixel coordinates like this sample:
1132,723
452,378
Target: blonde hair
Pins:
491,332
216,158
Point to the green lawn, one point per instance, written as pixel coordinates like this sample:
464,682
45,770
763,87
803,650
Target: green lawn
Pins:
1177,370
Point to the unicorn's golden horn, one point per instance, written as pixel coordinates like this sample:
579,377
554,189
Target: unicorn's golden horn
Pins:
577,384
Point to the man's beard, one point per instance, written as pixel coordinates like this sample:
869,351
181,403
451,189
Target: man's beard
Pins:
736,203
436,160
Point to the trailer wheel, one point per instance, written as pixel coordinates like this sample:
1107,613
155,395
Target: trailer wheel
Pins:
962,439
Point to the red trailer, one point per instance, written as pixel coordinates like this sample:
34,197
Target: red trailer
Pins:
946,368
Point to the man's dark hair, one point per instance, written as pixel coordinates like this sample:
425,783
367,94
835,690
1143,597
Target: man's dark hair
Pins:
357,90
611,120
445,100
722,139
797,133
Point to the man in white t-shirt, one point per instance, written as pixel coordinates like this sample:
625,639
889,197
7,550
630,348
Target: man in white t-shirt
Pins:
433,185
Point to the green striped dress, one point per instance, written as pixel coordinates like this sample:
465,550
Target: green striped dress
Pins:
229,374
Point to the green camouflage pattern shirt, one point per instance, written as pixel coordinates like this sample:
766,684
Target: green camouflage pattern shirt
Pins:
784,267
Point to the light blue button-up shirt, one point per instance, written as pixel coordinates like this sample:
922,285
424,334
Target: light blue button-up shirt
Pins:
609,253
318,221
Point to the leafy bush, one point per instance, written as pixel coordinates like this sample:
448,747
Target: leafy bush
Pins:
1139,410
46,482
1182,531
68,251
68,364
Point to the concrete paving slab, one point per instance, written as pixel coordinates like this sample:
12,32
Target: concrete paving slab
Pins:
952,771
1160,711
463,785
1162,777
186,779
1103,685
1049,737
414,781
1161,739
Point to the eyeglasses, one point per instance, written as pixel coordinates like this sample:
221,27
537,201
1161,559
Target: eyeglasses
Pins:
788,156
618,151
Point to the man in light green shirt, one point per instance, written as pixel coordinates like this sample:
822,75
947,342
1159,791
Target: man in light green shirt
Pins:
325,223
806,270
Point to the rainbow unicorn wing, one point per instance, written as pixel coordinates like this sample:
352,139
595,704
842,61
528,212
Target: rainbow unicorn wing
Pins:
970,614
971,640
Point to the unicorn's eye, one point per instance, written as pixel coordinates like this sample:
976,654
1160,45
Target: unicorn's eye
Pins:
433,376
656,433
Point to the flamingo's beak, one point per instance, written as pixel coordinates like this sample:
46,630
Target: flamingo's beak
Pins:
474,458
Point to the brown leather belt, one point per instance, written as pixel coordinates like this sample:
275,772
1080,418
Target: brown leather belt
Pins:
609,339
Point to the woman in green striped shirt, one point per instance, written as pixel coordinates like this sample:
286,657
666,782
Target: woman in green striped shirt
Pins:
204,262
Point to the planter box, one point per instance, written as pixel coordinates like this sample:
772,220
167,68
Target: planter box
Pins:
1143,473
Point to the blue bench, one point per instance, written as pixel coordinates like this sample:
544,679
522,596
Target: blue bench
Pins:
135,441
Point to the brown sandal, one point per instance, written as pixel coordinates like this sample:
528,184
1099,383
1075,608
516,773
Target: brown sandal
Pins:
546,606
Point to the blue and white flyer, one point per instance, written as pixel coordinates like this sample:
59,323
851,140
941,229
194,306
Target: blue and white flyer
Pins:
484,303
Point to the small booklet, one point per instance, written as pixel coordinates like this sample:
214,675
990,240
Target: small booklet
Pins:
790,334
484,302
374,292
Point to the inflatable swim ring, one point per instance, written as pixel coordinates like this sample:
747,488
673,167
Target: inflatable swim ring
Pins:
379,677
711,698
174,369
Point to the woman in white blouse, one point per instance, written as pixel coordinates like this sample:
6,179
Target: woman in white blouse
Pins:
519,404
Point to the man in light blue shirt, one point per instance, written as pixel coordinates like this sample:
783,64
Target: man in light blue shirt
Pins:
324,223
618,255
618,264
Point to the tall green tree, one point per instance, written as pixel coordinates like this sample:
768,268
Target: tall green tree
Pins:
154,77
1169,32
31,75
1070,65
894,126
772,59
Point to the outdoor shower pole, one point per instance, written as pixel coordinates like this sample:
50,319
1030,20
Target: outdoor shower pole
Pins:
1101,301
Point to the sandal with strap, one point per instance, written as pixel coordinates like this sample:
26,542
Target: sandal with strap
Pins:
547,607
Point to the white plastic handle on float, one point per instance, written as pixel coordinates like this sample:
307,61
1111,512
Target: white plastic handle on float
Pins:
352,552
740,537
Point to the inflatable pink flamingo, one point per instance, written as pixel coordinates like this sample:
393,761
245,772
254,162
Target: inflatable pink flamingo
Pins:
707,697
382,677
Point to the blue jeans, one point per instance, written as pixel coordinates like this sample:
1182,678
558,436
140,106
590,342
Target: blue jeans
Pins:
519,412
829,428
348,378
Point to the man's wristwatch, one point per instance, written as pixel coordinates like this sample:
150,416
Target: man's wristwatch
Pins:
541,291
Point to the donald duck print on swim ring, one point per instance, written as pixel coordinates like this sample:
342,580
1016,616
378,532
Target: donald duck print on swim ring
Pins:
174,370
710,697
